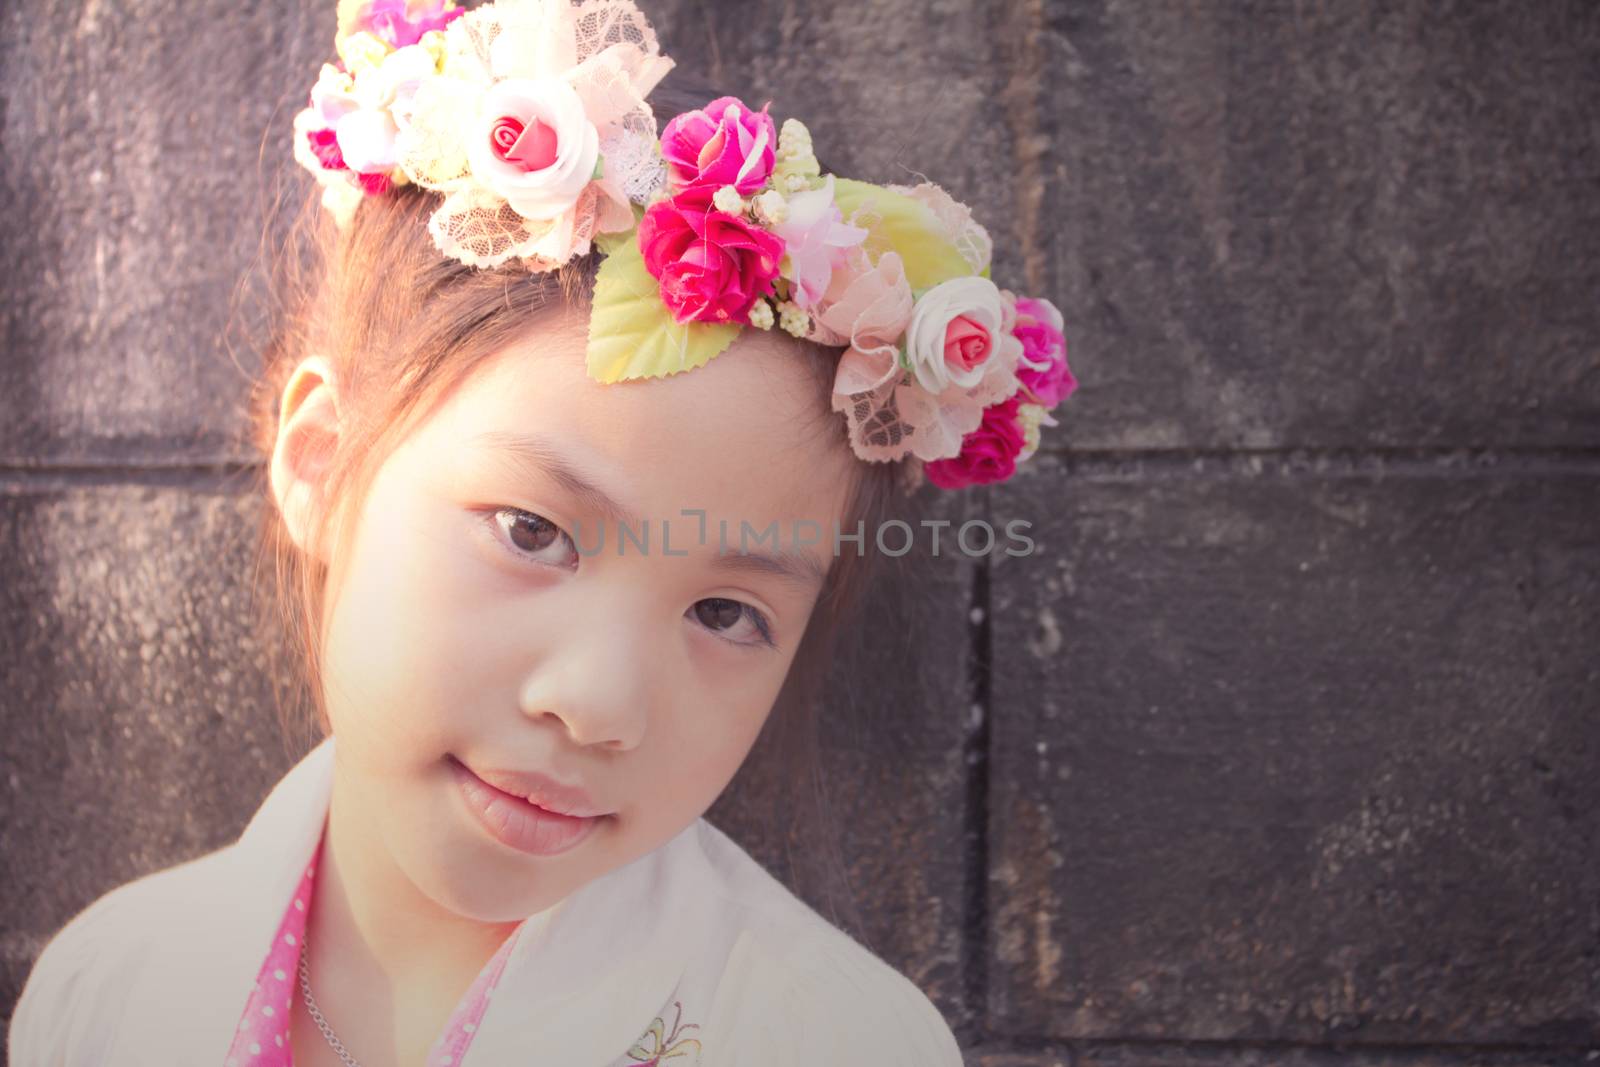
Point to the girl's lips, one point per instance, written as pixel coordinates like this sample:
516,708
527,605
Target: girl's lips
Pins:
515,822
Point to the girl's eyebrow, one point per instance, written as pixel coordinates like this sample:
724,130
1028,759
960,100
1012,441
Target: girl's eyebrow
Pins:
536,454
790,564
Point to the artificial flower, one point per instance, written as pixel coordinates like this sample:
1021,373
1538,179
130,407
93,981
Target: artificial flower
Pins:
363,109
815,237
770,207
1030,417
366,140
361,52
760,314
398,23
1043,368
711,265
955,327
793,319
534,146
797,166
325,146
333,95
724,143
988,454
867,308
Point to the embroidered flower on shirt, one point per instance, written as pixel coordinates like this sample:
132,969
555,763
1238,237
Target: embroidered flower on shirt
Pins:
658,1044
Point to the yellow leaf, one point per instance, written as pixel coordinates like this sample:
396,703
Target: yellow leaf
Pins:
347,12
905,226
631,332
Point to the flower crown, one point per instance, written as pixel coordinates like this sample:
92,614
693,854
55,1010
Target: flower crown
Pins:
529,117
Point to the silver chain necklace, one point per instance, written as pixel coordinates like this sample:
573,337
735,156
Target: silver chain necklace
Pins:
311,1006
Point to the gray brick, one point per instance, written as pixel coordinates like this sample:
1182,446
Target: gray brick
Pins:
132,179
1324,225
139,728
1297,755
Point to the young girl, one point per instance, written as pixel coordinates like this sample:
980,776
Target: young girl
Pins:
579,439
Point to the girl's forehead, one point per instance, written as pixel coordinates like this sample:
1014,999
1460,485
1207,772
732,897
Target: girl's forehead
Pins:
747,431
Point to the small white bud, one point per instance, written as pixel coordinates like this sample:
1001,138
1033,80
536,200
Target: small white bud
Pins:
793,319
772,207
728,199
761,315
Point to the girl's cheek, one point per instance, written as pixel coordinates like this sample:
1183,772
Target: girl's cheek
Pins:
393,634
712,729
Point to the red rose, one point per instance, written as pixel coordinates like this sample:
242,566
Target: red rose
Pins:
988,454
711,265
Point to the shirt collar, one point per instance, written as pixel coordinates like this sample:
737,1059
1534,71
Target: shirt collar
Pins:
585,978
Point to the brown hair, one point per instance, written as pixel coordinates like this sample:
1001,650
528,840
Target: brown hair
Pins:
402,325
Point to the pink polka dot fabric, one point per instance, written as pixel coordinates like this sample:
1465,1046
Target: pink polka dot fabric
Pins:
262,1037
452,1044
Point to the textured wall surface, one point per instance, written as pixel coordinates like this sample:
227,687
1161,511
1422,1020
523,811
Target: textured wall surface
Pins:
1282,748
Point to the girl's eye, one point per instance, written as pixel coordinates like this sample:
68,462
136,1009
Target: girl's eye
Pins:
535,537
531,536
723,617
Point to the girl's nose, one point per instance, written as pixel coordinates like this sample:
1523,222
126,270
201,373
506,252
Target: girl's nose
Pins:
596,681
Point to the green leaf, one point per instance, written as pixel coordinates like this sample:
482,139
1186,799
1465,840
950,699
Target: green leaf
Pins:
631,332
608,243
905,226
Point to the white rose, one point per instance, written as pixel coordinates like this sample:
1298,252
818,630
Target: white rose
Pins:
550,190
976,298
366,112
367,140
334,94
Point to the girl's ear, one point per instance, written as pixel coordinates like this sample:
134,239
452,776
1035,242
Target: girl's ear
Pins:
308,437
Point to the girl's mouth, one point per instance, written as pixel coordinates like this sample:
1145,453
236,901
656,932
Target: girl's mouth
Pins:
516,822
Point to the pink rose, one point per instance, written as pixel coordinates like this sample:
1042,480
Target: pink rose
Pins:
401,22
531,147
967,343
988,454
725,143
711,265
953,330
1043,368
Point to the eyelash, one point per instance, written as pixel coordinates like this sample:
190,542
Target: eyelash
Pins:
759,620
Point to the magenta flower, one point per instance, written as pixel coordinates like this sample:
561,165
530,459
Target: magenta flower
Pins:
724,143
1043,369
988,454
325,146
711,265
374,184
398,23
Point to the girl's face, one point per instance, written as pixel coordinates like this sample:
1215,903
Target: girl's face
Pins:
465,628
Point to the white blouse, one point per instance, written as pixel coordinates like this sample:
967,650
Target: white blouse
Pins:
695,933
